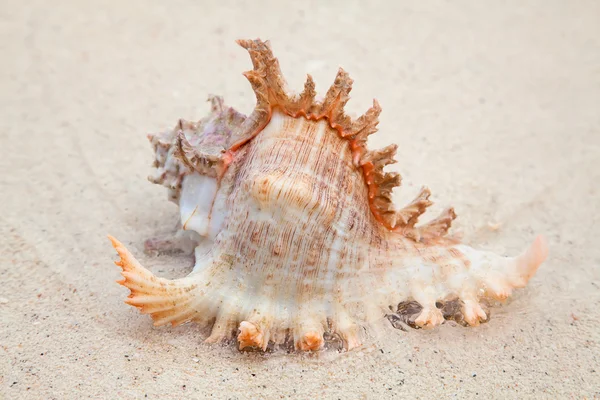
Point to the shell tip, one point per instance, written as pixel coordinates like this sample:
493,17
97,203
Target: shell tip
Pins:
529,262
115,243
311,341
538,251
250,335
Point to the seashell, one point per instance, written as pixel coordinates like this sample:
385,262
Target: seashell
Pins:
296,236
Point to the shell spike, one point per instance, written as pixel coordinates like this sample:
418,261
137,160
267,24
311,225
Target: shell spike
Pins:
381,157
517,271
308,334
306,98
259,50
206,159
528,263
336,98
472,311
366,124
380,183
266,75
407,217
224,327
310,341
437,227
185,151
261,91
347,328
252,335
410,214
500,275
165,300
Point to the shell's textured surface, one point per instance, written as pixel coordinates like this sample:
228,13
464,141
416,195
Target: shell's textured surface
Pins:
295,234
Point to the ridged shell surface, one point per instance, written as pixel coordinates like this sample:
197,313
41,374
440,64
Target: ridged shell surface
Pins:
293,229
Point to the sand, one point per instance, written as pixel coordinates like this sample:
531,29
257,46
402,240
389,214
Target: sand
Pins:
495,106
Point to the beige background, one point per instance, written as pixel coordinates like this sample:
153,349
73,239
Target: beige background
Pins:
495,106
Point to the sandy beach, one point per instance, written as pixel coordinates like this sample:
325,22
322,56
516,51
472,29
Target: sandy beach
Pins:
495,106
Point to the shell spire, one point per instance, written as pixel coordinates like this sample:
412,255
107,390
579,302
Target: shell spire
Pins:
271,92
194,147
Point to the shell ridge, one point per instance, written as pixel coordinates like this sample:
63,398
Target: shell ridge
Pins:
270,89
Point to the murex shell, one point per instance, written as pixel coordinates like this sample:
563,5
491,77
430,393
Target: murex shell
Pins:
294,231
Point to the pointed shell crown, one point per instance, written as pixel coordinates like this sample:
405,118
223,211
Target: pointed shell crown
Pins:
271,93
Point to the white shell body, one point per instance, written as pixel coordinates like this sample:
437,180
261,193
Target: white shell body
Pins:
300,238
